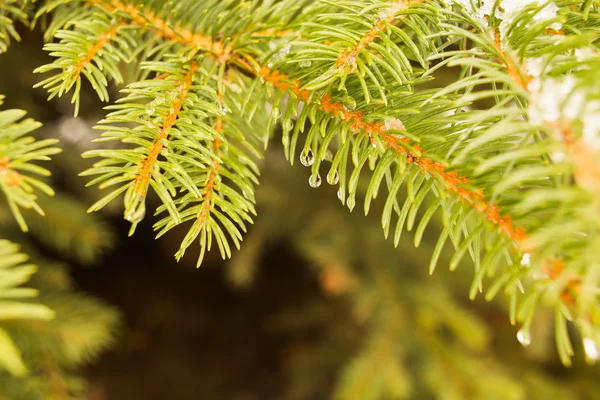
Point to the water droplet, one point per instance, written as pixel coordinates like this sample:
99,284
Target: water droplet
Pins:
150,111
307,158
524,337
349,103
334,178
223,108
351,203
558,156
395,124
373,161
304,64
591,349
314,180
355,158
156,102
285,50
288,125
526,260
136,213
341,195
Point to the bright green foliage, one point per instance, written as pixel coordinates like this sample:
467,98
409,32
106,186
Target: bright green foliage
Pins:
15,273
355,84
446,101
42,344
11,11
17,153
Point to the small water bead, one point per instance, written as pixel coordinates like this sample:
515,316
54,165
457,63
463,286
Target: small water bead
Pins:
314,180
373,161
137,213
223,108
156,102
526,260
395,124
341,194
355,158
349,103
351,202
304,64
591,349
150,111
524,337
307,158
334,178
288,125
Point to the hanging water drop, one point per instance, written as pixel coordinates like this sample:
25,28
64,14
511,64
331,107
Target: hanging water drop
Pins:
591,349
524,337
285,50
156,102
526,260
150,111
395,124
304,64
314,180
136,213
341,195
351,203
223,108
334,178
307,158
349,103
288,125
373,161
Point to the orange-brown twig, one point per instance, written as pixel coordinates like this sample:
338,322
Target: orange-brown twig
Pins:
347,58
162,27
455,183
143,177
13,178
103,40
211,182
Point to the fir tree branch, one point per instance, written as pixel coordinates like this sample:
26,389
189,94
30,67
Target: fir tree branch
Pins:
141,17
347,59
142,179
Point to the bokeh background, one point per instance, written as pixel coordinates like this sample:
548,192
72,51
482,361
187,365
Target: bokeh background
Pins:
316,305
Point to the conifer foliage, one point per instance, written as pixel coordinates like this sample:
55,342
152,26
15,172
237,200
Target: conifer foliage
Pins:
506,154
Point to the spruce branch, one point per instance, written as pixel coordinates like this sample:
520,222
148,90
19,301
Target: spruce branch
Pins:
14,303
18,153
489,170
